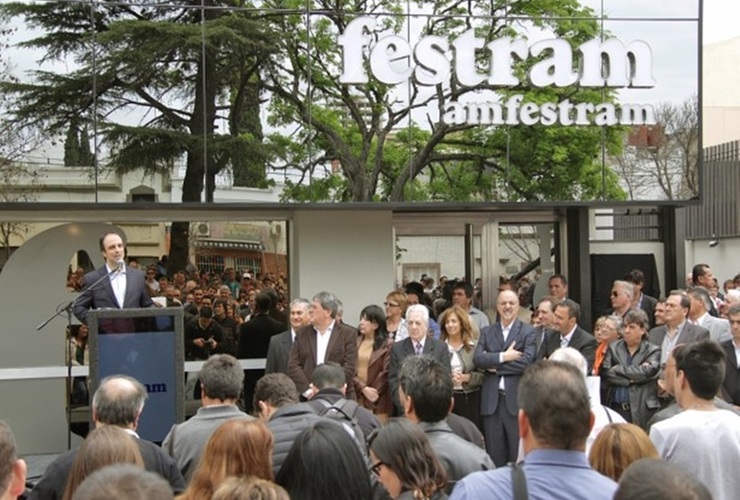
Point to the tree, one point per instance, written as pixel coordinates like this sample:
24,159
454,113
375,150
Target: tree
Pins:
72,145
389,151
661,162
18,181
182,68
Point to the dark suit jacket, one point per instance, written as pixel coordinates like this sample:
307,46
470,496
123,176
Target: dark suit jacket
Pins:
102,295
377,378
582,341
54,481
540,337
405,348
487,353
731,384
342,349
255,335
648,305
689,333
278,353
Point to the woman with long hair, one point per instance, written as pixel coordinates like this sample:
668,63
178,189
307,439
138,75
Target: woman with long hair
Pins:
373,360
457,332
237,448
325,462
405,462
106,445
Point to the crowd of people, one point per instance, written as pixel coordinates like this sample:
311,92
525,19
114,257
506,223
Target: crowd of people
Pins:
433,397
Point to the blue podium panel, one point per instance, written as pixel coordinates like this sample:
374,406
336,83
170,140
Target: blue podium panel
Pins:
146,344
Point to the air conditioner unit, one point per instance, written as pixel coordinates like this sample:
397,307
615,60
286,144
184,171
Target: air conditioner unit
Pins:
276,230
203,229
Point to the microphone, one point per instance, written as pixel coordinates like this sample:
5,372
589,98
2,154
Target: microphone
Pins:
119,265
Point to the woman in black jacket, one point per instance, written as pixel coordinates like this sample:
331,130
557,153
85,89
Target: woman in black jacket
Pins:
631,368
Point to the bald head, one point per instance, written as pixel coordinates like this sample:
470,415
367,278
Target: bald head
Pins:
119,401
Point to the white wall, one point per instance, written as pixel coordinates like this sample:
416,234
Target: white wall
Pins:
723,259
33,288
348,253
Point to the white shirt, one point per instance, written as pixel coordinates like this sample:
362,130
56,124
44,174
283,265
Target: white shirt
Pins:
705,444
505,332
118,283
322,343
565,341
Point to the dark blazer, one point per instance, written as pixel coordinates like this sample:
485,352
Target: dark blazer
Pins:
540,338
689,333
582,341
731,384
377,378
255,335
52,484
405,348
648,305
639,377
487,352
102,295
342,349
278,353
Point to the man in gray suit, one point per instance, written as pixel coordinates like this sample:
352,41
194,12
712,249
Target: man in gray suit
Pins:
279,350
719,328
676,330
125,287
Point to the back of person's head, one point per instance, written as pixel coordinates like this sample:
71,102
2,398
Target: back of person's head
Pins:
428,386
554,397
105,445
328,376
404,448
276,389
703,366
12,469
249,488
655,479
119,400
123,482
617,446
222,377
325,462
263,302
237,447
571,356
635,276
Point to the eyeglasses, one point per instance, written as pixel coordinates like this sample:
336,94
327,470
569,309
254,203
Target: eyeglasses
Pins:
390,304
375,468
615,293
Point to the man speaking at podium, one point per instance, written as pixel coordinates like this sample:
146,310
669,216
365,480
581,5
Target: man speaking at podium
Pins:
125,287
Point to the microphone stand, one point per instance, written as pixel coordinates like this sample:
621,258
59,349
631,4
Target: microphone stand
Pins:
68,359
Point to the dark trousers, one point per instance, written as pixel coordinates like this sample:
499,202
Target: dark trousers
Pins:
501,430
468,405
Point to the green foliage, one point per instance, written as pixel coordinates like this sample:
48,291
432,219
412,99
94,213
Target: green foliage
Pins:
72,146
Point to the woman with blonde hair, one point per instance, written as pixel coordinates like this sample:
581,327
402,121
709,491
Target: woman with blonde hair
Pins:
106,445
396,303
617,446
249,488
457,333
237,448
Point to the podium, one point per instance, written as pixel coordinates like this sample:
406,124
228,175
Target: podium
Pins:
148,345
